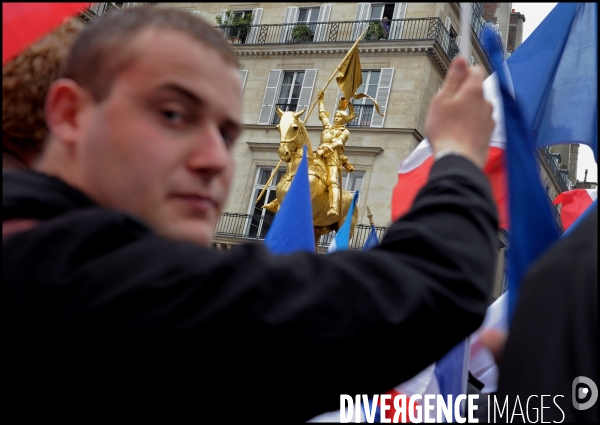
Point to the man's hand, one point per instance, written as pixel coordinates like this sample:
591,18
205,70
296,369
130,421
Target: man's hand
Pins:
459,118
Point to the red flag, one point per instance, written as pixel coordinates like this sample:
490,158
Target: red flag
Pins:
574,203
25,23
414,172
414,169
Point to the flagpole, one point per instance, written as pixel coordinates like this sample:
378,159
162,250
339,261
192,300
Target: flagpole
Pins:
465,30
335,72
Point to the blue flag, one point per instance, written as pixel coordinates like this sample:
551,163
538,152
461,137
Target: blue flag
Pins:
342,237
554,104
372,239
555,77
292,228
452,372
532,226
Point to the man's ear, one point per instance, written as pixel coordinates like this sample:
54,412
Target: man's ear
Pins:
64,107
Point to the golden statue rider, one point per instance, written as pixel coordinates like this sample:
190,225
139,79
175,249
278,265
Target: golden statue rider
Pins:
331,150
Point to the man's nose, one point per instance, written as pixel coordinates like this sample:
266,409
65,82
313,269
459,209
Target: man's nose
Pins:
210,153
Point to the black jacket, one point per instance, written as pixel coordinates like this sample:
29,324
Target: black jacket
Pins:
554,335
101,315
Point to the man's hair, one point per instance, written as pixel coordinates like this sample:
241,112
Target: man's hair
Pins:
25,82
103,49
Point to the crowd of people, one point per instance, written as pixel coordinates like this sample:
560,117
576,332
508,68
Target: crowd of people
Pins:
117,162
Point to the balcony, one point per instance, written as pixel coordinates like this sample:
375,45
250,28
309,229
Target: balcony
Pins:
561,176
245,228
347,32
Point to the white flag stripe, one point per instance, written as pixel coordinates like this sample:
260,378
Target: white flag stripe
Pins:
593,193
491,92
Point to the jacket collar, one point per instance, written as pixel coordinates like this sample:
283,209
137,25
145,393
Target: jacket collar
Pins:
30,194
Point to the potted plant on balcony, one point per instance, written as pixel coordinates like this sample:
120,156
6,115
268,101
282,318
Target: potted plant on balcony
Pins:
374,32
235,26
302,34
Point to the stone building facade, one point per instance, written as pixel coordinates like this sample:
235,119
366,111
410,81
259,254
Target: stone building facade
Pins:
515,31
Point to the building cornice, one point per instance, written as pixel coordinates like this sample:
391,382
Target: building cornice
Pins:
357,130
348,150
339,49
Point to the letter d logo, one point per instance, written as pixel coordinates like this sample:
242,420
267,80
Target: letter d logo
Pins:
581,387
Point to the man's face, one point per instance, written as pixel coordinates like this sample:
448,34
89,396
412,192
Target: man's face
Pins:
159,145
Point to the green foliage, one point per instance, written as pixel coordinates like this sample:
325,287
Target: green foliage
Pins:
302,33
375,31
238,26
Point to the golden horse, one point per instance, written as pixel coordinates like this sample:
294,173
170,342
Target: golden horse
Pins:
293,136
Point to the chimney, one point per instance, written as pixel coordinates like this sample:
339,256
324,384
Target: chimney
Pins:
585,176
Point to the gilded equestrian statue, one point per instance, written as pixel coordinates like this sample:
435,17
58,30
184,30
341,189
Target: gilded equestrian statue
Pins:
293,136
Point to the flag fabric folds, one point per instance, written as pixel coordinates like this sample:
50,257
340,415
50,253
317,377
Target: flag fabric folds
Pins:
25,23
341,241
292,228
532,227
555,77
349,79
574,203
413,171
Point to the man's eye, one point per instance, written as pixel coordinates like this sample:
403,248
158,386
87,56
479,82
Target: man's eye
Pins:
173,117
228,138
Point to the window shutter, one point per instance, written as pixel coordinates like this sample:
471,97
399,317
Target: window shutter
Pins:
196,13
291,17
243,76
256,16
363,12
397,26
268,104
310,75
324,12
448,23
446,34
471,60
383,94
458,41
223,15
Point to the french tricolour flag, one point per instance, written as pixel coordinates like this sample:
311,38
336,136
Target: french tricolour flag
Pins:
413,171
574,203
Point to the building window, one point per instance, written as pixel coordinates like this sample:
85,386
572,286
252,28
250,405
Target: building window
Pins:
378,11
289,93
364,108
377,84
309,16
260,219
290,90
353,182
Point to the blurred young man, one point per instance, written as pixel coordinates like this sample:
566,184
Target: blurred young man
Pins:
113,301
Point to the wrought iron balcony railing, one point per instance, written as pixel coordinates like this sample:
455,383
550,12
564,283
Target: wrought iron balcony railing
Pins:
363,115
255,227
343,31
561,175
